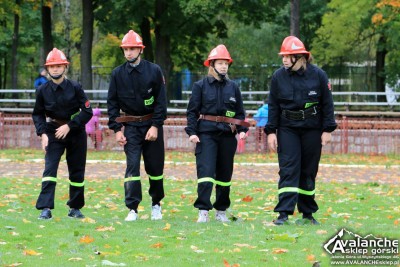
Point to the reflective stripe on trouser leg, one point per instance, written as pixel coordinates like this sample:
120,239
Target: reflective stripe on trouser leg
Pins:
227,145
289,157
76,150
133,192
47,193
156,189
204,189
206,158
153,158
312,152
76,195
54,151
133,149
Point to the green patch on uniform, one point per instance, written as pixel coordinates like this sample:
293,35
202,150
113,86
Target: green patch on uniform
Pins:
74,115
310,104
230,114
148,102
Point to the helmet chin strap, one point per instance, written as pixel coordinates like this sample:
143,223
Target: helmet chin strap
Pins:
222,76
293,62
57,77
132,61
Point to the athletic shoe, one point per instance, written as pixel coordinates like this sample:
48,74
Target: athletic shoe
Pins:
203,216
75,213
220,216
311,219
132,216
45,214
156,212
281,220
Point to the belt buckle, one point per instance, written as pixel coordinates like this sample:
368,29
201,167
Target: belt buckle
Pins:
218,119
302,114
315,110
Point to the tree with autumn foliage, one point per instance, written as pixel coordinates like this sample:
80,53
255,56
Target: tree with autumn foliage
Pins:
361,31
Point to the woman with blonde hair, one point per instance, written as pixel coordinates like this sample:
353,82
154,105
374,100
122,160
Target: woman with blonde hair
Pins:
215,114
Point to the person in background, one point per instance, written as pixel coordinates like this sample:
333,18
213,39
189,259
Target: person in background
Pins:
261,117
137,87
60,113
93,128
41,79
215,114
300,121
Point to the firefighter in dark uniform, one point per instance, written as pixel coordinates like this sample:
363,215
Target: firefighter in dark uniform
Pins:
300,122
137,88
215,115
61,111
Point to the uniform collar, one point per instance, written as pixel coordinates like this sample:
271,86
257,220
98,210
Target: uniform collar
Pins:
212,79
138,68
299,72
62,85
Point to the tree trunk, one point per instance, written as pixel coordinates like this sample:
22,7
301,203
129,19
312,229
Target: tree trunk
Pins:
86,45
295,18
380,67
14,61
68,28
163,44
46,30
146,35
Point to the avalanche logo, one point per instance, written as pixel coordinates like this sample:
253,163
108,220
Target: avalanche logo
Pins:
348,243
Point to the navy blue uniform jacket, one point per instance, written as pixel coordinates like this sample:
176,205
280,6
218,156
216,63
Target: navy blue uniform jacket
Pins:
65,101
137,91
217,98
297,91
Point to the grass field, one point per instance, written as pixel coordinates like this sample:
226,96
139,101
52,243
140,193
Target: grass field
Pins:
105,239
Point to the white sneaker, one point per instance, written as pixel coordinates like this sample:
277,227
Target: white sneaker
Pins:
156,212
132,216
203,216
220,216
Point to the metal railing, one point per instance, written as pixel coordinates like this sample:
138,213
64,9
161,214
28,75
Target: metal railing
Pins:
355,100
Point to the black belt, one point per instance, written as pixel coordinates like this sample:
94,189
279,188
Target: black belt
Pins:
300,115
59,122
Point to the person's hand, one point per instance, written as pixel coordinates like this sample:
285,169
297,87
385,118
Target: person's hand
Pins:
120,138
326,138
272,142
194,139
152,134
62,131
242,135
45,141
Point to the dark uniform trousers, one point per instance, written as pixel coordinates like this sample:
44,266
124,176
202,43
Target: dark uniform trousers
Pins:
214,158
153,157
75,145
299,152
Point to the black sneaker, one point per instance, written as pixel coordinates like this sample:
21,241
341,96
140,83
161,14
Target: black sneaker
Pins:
281,220
75,213
45,214
310,218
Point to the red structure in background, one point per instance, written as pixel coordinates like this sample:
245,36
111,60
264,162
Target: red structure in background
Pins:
354,135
